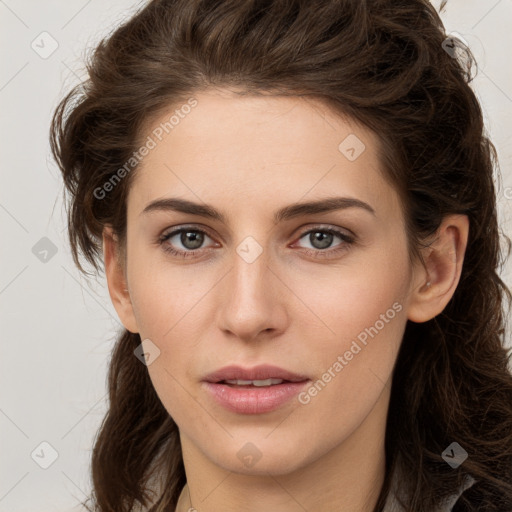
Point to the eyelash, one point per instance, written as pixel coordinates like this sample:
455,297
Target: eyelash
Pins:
315,253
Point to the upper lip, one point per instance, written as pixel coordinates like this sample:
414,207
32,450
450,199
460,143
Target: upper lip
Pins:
261,372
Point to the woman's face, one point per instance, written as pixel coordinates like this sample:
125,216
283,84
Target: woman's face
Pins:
248,290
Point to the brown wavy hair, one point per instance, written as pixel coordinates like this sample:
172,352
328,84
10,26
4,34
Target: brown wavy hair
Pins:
383,63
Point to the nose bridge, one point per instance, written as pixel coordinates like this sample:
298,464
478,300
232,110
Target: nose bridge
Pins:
250,270
248,305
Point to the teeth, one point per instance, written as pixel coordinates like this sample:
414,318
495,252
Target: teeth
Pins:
266,382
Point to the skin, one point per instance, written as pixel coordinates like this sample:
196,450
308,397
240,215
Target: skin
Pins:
248,157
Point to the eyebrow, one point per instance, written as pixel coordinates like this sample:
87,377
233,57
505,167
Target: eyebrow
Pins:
288,212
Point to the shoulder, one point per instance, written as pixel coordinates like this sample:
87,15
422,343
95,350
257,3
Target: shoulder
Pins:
450,503
392,504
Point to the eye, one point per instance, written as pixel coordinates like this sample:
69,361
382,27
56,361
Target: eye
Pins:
322,238
191,240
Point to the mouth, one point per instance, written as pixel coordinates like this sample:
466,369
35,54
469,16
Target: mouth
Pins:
262,375
265,383
254,391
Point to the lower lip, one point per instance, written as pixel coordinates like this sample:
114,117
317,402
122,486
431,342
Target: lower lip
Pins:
252,399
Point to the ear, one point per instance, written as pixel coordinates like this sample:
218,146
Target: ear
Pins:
434,284
116,279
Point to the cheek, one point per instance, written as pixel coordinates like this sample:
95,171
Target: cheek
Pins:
342,302
169,306
355,320
168,316
354,356
165,295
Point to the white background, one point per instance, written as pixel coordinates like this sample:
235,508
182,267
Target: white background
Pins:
58,329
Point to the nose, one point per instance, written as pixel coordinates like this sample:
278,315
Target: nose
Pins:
252,303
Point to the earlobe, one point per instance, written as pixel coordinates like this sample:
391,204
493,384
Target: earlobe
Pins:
116,280
435,283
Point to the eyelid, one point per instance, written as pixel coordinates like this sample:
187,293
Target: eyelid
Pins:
183,227
328,227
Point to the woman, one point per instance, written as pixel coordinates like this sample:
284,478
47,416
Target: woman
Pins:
363,371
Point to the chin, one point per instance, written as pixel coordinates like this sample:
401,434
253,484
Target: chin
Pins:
259,456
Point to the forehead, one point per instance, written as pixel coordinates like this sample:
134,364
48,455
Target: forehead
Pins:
282,126
278,148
